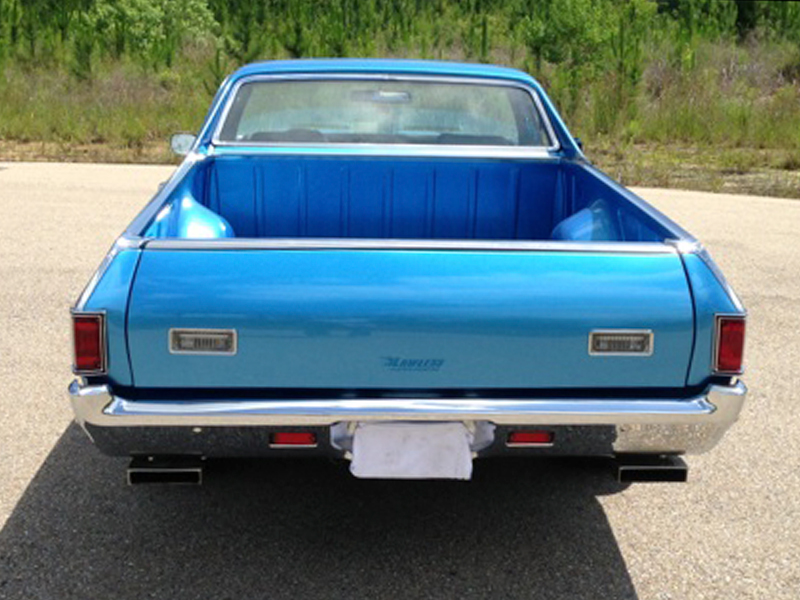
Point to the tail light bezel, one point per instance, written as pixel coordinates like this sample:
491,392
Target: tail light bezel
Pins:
718,321
100,315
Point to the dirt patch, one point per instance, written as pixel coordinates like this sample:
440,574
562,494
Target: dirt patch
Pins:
753,171
152,153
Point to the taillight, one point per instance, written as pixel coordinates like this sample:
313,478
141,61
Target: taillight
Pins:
729,354
88,334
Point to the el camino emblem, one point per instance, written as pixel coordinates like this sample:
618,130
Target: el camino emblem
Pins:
397,363
621,342
202,341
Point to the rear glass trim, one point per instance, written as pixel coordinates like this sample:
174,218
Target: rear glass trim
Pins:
428,149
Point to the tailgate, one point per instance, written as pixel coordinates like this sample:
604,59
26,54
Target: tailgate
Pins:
405,319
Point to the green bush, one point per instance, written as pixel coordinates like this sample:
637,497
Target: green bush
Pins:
128,72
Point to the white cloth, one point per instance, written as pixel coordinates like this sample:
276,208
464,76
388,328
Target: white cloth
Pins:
411,451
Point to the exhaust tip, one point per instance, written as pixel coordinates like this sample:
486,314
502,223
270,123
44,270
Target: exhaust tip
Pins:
651,468
171,471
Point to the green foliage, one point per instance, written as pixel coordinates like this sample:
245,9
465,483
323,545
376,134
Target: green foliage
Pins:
721,72
152,31
83,49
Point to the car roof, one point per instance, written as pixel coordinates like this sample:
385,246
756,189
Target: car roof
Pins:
388,66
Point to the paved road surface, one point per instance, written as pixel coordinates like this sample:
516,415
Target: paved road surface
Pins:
69,528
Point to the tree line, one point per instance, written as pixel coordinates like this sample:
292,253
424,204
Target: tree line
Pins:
593,55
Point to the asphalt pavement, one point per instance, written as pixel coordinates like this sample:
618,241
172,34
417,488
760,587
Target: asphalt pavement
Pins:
70,528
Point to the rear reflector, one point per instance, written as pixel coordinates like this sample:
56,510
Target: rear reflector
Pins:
202,341
623,342
530,438
88,334
730,345
305,439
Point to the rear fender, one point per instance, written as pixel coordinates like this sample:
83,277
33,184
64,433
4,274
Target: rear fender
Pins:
109,291
712,296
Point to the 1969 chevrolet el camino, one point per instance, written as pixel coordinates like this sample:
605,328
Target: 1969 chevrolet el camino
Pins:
408,265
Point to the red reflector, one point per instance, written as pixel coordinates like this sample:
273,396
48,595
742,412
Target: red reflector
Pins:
530,438
730,344
89,347
294,438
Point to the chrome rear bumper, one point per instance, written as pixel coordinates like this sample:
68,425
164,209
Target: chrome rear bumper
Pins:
236,427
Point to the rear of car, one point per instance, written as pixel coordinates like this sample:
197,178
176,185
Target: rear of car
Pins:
408,265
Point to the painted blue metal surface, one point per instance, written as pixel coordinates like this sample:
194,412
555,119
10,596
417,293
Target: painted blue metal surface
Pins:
111,295
593,223
632,218
274,195
710,299
383,198
383,66
186,218
350,318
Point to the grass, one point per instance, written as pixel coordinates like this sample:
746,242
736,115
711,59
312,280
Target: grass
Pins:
123,108
753,171
730,123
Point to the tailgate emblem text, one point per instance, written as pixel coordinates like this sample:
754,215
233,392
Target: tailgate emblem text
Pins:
398,363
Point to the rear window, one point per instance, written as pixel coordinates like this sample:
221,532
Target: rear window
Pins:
383,112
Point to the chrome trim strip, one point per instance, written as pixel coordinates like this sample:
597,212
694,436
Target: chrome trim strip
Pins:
103,339
691,246
403,244
488,81
715,346
97,405
647,332
292,446
531,445
389,150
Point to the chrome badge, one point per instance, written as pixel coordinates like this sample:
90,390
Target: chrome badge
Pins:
202,341
621,342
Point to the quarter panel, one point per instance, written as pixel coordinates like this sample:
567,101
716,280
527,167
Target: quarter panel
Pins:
710,298
111,295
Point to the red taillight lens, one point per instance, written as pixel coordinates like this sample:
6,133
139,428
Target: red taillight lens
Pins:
293,438
730,344
530,438
88,337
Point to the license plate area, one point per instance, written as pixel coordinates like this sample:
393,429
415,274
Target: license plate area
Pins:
400,450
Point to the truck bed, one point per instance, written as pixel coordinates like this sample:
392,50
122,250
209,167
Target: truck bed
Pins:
307,196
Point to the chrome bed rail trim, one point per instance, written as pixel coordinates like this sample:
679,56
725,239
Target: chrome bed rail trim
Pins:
401,244
386,150
680,425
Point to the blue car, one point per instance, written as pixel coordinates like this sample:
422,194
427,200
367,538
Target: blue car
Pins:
407,265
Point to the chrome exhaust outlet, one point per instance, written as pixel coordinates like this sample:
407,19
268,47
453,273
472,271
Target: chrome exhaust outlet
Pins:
633,468
176,470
